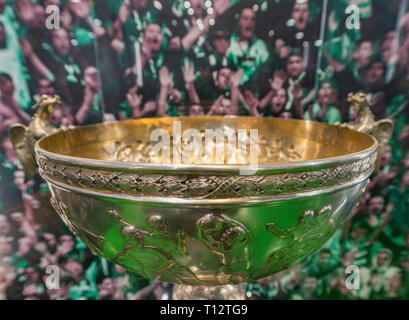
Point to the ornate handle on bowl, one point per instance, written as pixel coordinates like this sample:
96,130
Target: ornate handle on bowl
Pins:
381,130
24,138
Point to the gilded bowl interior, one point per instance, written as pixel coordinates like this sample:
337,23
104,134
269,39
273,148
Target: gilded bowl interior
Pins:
279,140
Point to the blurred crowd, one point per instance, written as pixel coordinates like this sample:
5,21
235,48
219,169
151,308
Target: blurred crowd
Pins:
117,59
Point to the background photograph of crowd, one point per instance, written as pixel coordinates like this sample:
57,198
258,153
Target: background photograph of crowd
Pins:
118,59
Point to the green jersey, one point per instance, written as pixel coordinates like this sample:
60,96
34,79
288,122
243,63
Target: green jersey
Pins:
248,56
333,114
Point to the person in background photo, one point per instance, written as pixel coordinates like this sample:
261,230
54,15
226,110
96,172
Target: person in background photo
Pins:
91,108
300,31
12,62
10,110
325,109
65,68
246,51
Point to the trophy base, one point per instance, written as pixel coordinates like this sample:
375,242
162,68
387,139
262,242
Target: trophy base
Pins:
227,292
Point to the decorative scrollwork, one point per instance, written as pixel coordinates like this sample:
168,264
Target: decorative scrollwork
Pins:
192,186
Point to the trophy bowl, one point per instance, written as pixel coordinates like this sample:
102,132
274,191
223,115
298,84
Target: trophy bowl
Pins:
206,224
208,221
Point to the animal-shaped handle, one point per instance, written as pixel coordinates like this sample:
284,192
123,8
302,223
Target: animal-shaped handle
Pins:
24,138
381,130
